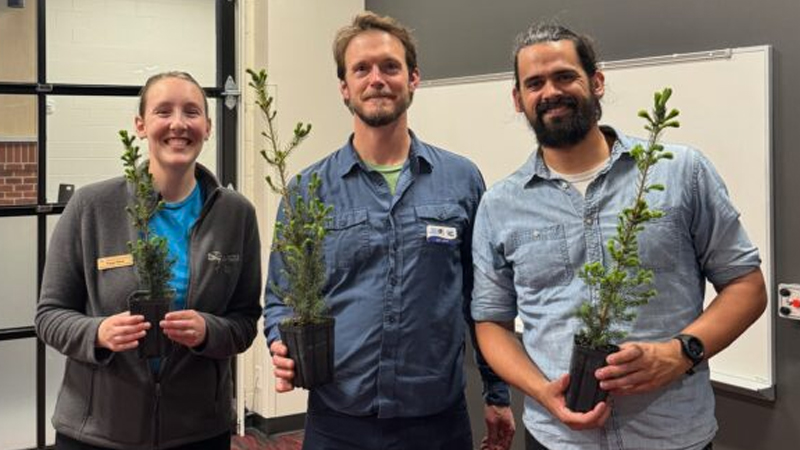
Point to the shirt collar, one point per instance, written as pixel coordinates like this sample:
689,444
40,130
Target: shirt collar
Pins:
419,157
535,168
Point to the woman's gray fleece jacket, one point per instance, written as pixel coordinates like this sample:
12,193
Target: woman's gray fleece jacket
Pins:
113,399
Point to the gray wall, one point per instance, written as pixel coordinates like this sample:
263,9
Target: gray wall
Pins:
468,37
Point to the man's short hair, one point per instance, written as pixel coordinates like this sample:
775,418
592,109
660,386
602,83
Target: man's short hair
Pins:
549,32
368,21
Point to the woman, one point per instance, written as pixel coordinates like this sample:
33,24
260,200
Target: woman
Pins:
110,398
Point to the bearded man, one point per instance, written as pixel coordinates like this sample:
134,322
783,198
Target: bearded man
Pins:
399,269
534,231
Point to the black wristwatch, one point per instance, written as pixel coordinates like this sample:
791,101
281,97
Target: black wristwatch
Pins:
693,348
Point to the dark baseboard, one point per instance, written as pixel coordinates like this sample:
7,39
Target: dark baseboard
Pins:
275,425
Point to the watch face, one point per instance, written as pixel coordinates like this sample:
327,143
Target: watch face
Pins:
695,347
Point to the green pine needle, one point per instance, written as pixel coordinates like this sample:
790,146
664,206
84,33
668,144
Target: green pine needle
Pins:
624,286
150,253
300,236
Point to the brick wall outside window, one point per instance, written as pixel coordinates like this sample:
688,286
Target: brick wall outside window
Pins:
18,173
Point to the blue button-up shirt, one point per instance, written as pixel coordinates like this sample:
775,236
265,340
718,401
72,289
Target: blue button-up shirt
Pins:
398,283
534,232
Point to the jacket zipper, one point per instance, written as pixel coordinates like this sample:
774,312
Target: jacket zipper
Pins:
157,377
218,381
156,415
203,213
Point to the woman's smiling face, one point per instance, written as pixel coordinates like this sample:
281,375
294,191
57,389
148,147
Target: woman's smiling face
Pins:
174,122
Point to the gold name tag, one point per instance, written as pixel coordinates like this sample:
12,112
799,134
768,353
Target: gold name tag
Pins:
113,262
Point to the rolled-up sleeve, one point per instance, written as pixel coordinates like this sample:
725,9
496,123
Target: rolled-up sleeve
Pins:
723,249
494,297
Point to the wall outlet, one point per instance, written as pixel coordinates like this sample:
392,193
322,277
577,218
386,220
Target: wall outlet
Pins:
789,301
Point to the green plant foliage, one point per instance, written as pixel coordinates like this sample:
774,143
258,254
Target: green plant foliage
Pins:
150,253
300,235
624,286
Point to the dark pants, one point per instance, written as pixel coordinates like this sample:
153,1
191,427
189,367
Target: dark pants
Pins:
221,442
329,430
532,444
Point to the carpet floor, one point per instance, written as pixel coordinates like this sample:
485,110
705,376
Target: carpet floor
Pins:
255,439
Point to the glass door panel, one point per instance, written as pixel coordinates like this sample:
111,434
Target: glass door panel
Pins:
18,394
17,274
18,150
18,43
83,144
123,41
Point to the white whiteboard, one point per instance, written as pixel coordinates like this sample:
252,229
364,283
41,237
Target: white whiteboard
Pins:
725,102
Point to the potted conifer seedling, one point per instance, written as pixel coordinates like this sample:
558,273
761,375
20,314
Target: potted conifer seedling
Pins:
299,236
623,286
150,254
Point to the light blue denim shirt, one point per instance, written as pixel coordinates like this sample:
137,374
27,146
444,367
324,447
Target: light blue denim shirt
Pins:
534,232
398,290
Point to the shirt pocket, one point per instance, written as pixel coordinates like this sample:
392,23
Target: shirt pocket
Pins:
660,244
440,229
540,257
347,240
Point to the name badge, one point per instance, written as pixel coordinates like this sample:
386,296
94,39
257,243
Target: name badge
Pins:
113,262
441,235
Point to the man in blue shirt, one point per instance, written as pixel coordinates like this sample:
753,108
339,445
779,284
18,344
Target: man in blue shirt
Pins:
536,228
399,275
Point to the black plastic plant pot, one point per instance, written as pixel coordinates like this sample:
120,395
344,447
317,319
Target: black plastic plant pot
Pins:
311,348
154,344
584,390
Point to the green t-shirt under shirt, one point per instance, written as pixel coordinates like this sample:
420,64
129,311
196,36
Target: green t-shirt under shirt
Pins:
390,173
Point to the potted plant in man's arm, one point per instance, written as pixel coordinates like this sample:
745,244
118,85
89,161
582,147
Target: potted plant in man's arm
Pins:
299,237
623,286
150,253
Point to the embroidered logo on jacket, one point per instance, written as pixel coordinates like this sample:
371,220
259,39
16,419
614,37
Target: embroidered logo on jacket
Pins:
223,262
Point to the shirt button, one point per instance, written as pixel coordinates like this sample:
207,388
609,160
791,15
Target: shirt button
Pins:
588,221
564,185
390,319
